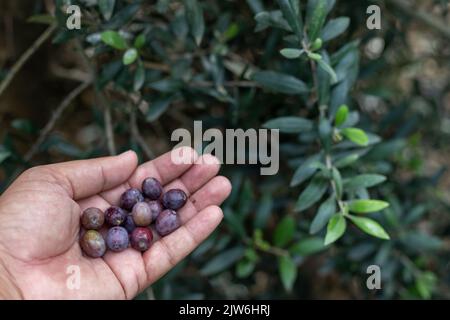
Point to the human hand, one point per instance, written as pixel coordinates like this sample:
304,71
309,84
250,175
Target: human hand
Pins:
40,222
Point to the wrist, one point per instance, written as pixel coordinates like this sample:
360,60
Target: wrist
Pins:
8,289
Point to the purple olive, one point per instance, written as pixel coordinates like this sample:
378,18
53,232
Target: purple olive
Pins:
142,214
152,188
129,224
174,199
93,244
156,208
167,222
129,198
141,239
117,239
92,219
115,216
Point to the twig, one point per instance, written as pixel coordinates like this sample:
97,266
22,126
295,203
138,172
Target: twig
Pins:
137,135
54,118
424,17
207,84
109,129
156,66
25,56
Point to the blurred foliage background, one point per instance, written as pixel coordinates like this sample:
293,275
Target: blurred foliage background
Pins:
137,70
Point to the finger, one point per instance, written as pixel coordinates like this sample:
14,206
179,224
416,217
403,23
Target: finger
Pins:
214,192
162,168
205,168
168,251
85,178
128,267
94,202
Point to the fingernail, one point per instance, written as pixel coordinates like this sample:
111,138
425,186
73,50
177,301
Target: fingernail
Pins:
126,153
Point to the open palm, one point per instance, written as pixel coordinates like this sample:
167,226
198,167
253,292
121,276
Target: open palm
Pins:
39,225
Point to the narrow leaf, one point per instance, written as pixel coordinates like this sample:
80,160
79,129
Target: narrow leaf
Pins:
280,82
106,8
284,232
356,135
366,206
326,210
290,124
325,66
304,171
292,16
334,28
307,246
291,53
194,14
114,39
363,181
317,19
139,78
335,229
313,193
288,272
223,261
370,226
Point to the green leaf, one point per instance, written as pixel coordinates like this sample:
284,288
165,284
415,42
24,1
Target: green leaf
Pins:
223,261
304,171
106,8
334,28
347,160
325,212
336,175
363,181
270,19
194,15
324,81
335,229
288,272
370,226
139,42
284,232
130,56
114,39
291,53
313,193
280,82
4,155
317,19
123,16
291,13
244,268
139,77
325,66
356,135
166,85
425,284
366,206
157,108
290,124
341,115
307,246
263,211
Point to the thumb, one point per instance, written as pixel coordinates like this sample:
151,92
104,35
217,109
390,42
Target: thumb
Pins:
84,178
